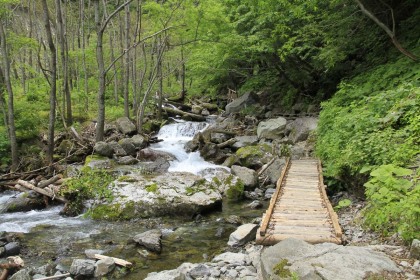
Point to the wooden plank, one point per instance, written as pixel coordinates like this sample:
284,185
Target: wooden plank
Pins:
116,260
274,239
270,209
333,215
302,229
301,222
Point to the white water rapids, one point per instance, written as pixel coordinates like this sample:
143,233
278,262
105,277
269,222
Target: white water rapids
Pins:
174,137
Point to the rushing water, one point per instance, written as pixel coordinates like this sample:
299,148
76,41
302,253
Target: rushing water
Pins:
49,236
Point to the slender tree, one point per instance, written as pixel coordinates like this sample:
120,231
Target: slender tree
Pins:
52,82
10,105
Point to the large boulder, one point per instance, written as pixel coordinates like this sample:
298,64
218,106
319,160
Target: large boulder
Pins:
248,176
128,146
243,141
151,240
300,128
241,102
242,235
326,261
139,141
254,157
175,193
25,201
271,129
125,126
103,149
274,170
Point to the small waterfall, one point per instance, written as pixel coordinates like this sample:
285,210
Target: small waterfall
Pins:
175,136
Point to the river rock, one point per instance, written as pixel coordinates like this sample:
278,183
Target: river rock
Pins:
325,261
274,170
271,129
174,274
148,154
103,149
211,152
242,141
127,160
269,193
82,267
11,249
255,204
242,235
175,193
415,249
254,157
125,126
22,274
118,150
104,266
151,240
24,201
200,270
248,176
139,141
247,99
232,258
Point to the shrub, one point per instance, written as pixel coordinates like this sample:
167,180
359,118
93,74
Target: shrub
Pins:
394,195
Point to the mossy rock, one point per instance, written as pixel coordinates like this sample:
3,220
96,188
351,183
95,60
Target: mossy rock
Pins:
152,188
235,191
151,126
114,212
254,156
280,270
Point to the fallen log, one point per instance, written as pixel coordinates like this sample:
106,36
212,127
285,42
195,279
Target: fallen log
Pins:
55,276
42,184
266,166
117,261
41,191
191,116
227,143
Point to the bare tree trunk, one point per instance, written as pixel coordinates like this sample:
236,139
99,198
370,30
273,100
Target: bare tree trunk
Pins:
111,45
10,106
183,90
61,28
53,83
127,62
160,88
391,33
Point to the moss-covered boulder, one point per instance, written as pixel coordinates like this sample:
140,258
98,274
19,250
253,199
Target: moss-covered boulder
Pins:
254,157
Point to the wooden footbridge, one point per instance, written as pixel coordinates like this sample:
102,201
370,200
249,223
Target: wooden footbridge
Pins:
300,207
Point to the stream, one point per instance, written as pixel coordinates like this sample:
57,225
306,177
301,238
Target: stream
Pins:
48,237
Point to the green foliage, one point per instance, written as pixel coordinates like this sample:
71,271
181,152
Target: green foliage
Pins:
89,184
394,194
4,147
344,203
371,121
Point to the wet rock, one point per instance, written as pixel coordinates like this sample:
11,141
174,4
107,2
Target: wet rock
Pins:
233,219
255,204
219,137
82,267
220,231
269,193
151,240
299,129
241,102
175,274
12,249
205,112
242,235
248,176
272,129
103,267
103,149
211,152
125,126
127,160
22,274
25,201
415,249
149,154
324,261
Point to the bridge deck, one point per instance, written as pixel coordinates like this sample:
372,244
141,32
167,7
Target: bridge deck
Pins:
300,207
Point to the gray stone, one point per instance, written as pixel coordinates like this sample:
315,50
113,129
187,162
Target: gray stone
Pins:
415,249
233,219
232,274
151,240
128,146
12,249
298,150
127,160
38,276
299,129
174,274
205,112
272,128
103,149
118,150
90,253
324,261
82,267
242,141
219,137
241,102
24,201
242,235
104,266
200,270
21,275
139,141
125,126
274,170
255,204
231,258
248,176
